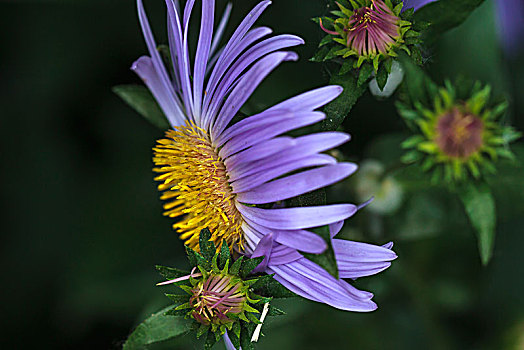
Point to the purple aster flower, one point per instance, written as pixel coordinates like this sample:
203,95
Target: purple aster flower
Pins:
511,26
213,174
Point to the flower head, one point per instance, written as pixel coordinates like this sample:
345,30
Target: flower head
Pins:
369,31
459,133
220,296
227,176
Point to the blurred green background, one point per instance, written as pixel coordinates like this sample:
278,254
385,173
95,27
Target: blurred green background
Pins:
82,224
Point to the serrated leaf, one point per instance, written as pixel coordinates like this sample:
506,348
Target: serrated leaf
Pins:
207,247
337,110
480,207
158,327
141,100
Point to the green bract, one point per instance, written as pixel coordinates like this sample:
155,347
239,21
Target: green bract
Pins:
459,132
354,37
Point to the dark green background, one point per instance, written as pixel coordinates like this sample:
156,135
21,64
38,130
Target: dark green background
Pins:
81,219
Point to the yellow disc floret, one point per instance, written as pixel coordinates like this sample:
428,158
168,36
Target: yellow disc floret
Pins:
195,184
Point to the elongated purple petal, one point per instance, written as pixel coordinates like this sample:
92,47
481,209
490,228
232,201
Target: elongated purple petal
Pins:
263,248
245,87
335,228
260,150
416,4
304,146
220,29
297,218
361,252
202,53
357,270
302,278
146,71
249,182
251,137
297,184
281,254
310,100
228,343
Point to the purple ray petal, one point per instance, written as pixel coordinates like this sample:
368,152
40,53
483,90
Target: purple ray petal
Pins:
202,53
415,4
259,151
253,136
304,146
263,248
146,71
318,285
281,254
221,27
297,218
335,228
245,87
310,100
350,251
249,182
228,343
357,270
297,184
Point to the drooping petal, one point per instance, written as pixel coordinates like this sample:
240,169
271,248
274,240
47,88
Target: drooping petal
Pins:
297,184
297,218
307,279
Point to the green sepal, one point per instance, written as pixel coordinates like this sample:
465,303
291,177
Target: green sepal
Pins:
224,255
249,265
192,256
178,298
274,311
202,329
245,336
207,247
253,318
235,268
267,285
170,273
142,101
211,339
366,70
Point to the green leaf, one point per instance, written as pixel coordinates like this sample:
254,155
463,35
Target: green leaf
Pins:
224,255
337,110
141,99
327,259
419,86
158,327
444,15
235,268
480,207
245,336
210,341
382,76
207,247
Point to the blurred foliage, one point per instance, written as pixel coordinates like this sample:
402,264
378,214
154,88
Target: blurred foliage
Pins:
82,224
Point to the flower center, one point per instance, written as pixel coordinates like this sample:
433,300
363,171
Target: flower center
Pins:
373,29
215,298
195,184
459,134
